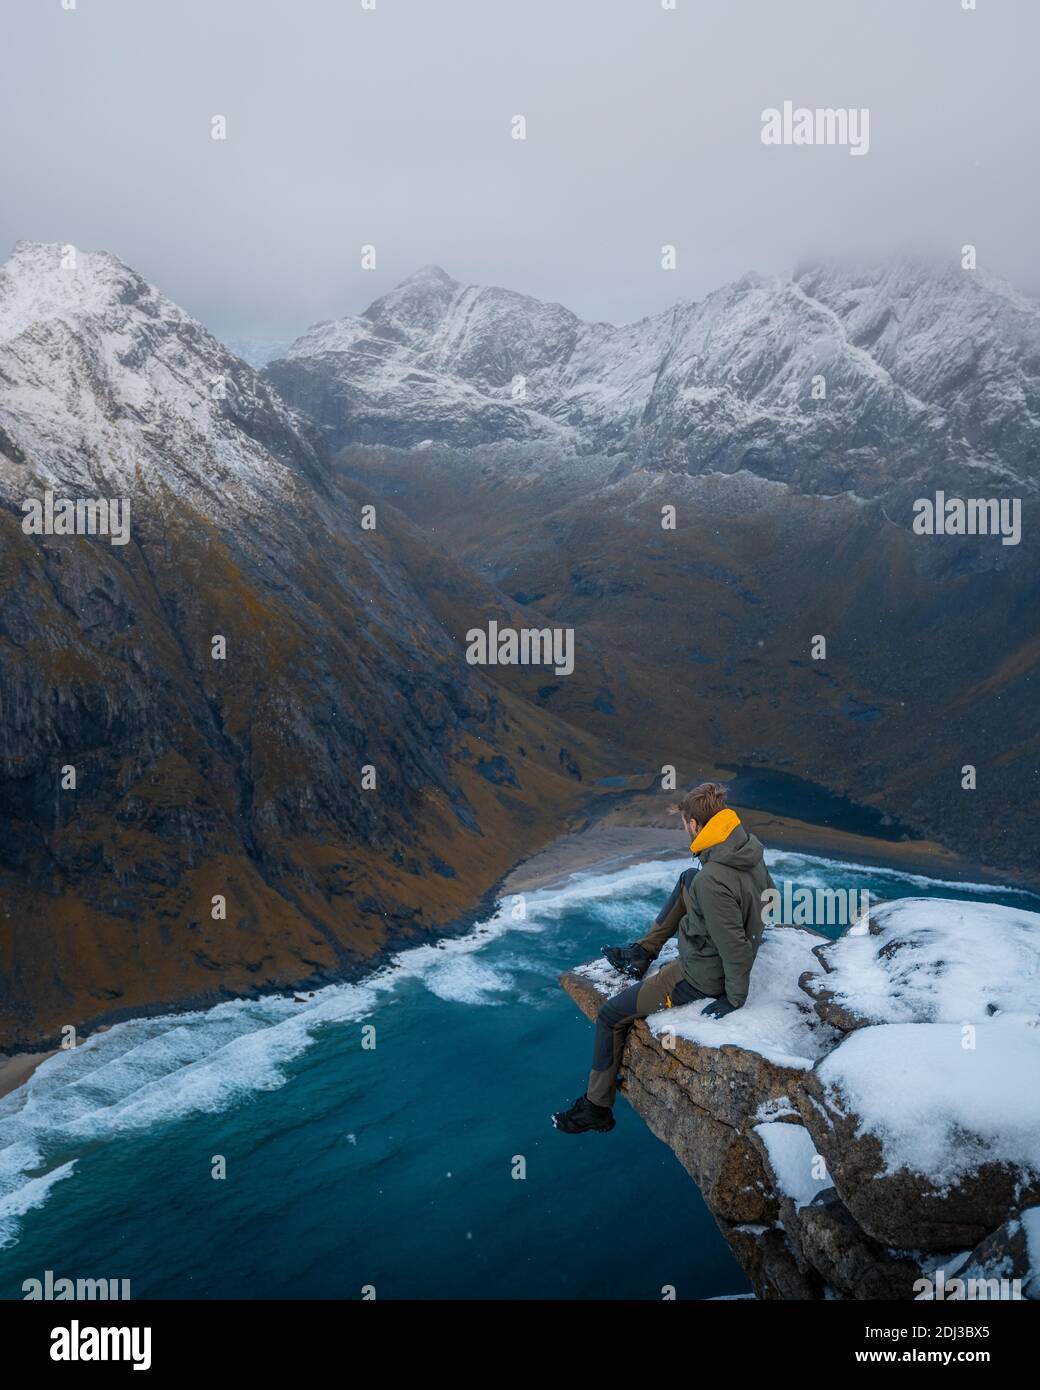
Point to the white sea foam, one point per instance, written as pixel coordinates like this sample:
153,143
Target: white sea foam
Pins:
30,1194
462,980
806,864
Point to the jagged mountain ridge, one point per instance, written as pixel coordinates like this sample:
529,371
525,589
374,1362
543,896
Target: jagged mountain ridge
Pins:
927,370
240,777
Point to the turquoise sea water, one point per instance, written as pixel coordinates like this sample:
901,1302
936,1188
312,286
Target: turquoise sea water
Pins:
391,1166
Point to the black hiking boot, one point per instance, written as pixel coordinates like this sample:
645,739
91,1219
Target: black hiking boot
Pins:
630,960
583,1117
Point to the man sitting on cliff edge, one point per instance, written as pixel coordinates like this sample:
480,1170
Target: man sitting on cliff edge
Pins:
717,912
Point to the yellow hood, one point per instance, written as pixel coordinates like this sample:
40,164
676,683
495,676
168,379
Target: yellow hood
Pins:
719,828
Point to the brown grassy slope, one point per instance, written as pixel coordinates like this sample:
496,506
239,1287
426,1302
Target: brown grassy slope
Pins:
243,778
707,631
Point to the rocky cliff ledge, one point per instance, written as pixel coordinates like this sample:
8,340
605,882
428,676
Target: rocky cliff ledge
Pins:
871,1117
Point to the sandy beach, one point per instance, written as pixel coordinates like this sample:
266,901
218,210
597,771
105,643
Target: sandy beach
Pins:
14,1070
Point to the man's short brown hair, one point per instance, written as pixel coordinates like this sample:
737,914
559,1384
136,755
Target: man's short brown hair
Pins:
703,802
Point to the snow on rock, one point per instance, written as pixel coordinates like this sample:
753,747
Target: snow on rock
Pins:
431,360
964,340
928,960
913,1078
928,1111
940,1099
774,1022
793,1158
1005,1265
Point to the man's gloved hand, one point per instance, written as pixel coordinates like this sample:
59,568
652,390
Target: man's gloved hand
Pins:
632,960
718,1008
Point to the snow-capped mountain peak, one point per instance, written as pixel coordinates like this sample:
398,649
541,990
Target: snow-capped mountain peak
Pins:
46,282
416,306
110,387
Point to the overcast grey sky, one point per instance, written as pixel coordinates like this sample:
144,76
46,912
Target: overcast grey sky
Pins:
393,127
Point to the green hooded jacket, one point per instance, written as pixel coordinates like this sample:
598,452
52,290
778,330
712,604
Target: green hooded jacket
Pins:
722,928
